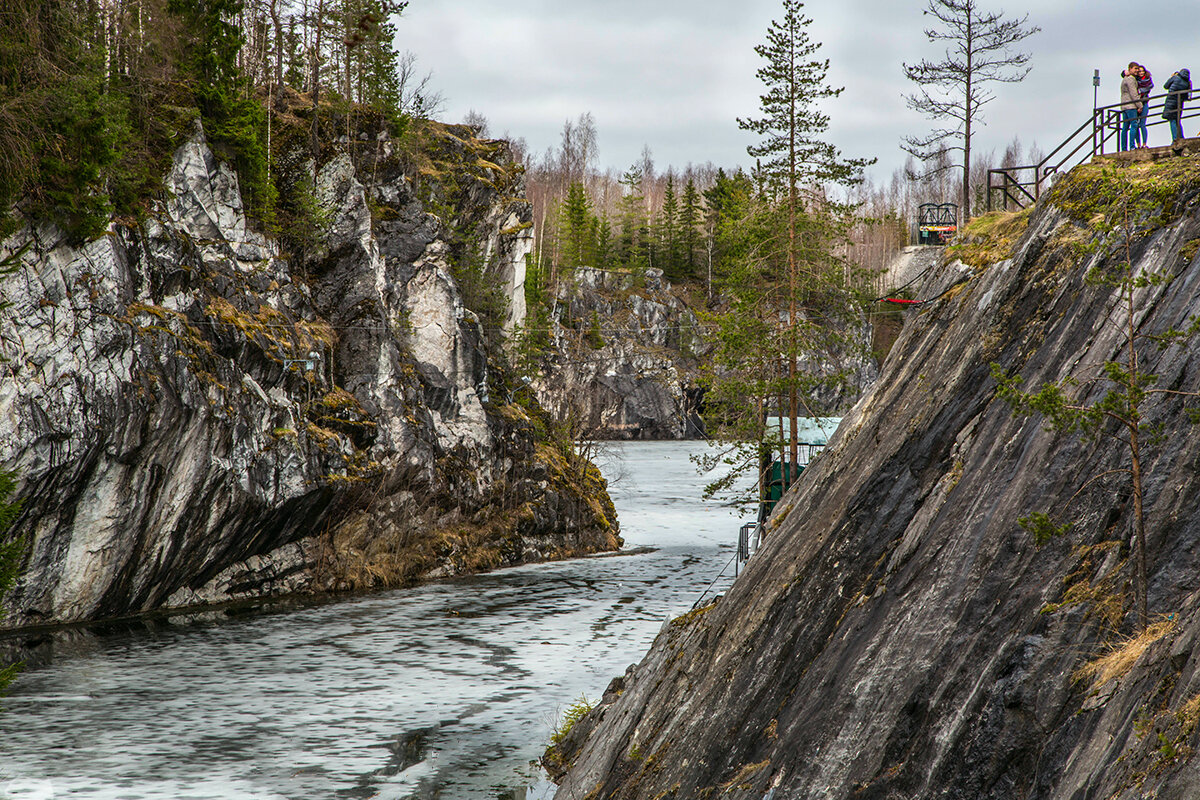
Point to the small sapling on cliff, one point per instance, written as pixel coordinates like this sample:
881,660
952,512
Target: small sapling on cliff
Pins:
1113,402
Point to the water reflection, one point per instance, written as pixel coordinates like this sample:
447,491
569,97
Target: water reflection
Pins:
445,691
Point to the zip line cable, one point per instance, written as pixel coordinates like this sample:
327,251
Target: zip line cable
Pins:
714,581
905,301
887,299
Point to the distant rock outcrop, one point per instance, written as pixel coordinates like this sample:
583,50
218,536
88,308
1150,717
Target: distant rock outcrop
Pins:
900,635
195,418
624,357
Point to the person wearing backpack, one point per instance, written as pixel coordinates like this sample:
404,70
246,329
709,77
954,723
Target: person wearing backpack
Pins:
1179,87
1131,108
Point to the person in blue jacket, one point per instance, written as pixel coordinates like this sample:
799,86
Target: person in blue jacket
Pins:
1179,87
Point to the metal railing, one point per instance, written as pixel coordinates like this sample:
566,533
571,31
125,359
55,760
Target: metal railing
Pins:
1022,186
748,542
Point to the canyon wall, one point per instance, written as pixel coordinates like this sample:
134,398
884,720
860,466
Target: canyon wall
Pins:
901,634
196,416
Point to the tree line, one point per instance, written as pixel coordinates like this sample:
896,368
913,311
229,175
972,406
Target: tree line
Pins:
630,220
94,94
680,220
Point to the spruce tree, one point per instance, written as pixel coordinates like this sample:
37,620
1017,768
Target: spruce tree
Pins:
604,243
689,229
668,232
577,248
234,122
631,251
793,156
726,202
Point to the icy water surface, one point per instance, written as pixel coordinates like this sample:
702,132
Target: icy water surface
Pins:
444,691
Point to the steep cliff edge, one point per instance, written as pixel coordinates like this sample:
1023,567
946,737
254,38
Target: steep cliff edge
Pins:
900,635
196,416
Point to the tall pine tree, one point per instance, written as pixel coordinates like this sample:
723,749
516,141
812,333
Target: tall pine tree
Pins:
794,155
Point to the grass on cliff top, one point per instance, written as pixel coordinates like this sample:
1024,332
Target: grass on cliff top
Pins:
1088,193
447,150
989,238
1121,657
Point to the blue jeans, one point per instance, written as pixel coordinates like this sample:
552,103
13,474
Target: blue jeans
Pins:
1141,134
1129,123
1176,129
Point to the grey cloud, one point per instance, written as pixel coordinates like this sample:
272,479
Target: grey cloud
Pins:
675,74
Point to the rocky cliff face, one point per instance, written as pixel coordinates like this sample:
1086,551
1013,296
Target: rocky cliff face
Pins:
901,636
623,358
196,418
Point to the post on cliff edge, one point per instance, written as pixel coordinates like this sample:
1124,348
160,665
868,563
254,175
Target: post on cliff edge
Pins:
1095,105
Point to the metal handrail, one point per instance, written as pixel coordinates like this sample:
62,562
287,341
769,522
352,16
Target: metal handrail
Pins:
1104,122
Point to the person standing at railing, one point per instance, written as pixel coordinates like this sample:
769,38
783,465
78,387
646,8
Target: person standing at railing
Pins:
1131,108
1179,87
1145,84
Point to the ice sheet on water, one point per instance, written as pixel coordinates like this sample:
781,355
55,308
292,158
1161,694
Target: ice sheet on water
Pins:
447,690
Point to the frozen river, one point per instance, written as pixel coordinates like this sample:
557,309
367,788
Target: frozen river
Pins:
444,691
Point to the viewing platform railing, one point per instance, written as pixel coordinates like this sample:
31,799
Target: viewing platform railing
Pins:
1022,186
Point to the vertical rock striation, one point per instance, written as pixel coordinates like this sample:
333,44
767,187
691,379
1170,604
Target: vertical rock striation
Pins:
196,418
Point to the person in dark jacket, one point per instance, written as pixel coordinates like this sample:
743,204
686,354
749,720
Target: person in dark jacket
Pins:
1179,87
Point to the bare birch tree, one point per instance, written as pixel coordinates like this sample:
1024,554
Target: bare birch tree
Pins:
979,51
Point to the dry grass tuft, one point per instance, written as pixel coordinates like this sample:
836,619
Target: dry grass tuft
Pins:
1121,657
989,238
1190,713
744,774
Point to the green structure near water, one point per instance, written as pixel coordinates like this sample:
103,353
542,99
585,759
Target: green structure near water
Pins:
813,434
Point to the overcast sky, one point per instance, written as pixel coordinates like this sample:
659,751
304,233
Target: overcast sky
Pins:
675,74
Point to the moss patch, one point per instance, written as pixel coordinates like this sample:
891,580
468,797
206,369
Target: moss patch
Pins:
692,616
989,238
1089,192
